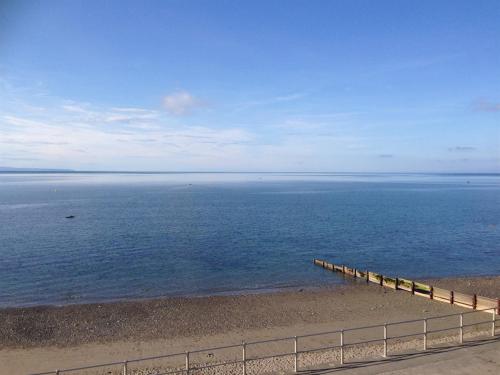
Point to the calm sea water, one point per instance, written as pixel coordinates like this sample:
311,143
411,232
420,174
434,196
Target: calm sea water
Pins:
146,235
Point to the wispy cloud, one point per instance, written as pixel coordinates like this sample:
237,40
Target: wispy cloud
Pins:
462,149
15,158
61,133
269,101
423,62
88,113
74,108
130,117
82,135
289,97
181,103
130,109
86,136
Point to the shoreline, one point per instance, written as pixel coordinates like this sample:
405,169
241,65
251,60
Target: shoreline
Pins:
155,318
446,282
228,293
39,339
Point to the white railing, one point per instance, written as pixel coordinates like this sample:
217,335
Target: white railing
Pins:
295,341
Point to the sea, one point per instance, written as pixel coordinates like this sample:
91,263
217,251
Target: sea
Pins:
143,235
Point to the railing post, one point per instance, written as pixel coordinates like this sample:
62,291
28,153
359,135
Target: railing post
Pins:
367,276
244,357
342,347
425,334
474,302
296,351
461,328
385,340
452,297
493,321
396,282
295,355
413,287
431,292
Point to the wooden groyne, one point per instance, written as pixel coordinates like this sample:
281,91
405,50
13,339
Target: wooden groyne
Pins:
474,301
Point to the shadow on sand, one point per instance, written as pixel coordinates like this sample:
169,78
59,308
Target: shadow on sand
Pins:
399,357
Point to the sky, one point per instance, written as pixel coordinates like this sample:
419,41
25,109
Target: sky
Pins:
338,86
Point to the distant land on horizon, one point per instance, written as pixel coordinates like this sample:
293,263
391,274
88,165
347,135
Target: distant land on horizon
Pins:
62,170
14,169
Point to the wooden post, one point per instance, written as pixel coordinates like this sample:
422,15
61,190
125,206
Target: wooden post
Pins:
187,363
474,301
244,357
367,276
125,370
425,334
342,347
381,280
493,321
343,269
461,328
396,283
295,355
452,297
385,340
431,293
413,287
355,273
498,306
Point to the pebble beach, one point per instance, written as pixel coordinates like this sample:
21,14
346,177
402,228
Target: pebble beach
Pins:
47,337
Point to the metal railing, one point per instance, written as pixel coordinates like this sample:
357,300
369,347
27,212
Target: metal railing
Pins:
295,340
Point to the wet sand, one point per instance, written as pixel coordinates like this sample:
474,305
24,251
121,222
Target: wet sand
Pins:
45,338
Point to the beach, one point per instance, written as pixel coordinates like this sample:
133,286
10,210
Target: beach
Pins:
48,337
249,188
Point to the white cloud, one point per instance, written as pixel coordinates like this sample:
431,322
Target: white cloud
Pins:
181,103
22,122
130,109
129,116
76,135
84,136
270,101
113,138
74,108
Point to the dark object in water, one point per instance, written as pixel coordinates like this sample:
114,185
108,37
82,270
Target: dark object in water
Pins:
70,217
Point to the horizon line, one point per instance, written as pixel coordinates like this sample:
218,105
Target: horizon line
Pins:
61,170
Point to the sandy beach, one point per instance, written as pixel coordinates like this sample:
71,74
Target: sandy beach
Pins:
45,338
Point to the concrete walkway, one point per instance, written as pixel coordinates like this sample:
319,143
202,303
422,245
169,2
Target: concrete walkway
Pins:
479,357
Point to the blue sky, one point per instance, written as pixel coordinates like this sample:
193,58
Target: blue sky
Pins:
386,86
